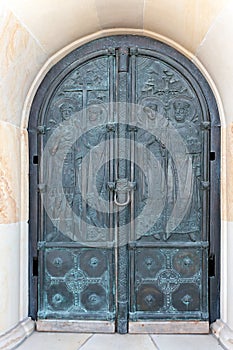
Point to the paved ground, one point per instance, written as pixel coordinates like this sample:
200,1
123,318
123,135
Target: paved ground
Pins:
73,341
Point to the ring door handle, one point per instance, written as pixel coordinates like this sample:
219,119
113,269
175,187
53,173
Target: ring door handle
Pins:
122,186
124,203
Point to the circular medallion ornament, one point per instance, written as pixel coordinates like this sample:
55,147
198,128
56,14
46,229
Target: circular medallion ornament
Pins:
76,280
168,281
93,262
94,298
59,298
58,262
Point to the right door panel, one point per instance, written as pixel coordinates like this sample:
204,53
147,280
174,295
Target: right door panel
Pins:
169,252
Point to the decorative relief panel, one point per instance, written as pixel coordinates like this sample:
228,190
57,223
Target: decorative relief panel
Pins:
80,102
168,282
171,110
77,281
159,158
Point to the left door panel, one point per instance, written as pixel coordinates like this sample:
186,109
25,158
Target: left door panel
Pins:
76,250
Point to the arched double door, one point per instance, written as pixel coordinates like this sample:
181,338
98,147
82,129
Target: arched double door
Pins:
124,220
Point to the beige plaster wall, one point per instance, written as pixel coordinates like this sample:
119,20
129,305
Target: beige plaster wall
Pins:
32,31
215,52
184,21
10,276
13,174
21,57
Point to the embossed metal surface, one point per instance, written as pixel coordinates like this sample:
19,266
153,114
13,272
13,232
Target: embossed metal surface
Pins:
150,269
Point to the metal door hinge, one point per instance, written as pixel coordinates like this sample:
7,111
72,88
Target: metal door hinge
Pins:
205,125
42,188
133,128
41,244
205,185
41,129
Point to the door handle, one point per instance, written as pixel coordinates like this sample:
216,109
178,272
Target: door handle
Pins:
122,187
124,203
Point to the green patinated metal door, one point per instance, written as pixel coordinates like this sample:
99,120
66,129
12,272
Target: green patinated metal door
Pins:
123,191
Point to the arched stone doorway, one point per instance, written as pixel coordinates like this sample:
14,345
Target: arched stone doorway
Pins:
135,89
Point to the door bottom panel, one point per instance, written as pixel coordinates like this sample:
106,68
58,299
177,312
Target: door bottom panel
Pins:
74,326
157,327
170,327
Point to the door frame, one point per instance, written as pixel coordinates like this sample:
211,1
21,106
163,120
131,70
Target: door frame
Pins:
214,219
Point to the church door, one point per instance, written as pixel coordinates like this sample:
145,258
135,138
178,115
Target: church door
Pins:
121,164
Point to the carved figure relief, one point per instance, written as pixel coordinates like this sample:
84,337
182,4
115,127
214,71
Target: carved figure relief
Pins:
168,106
114,159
